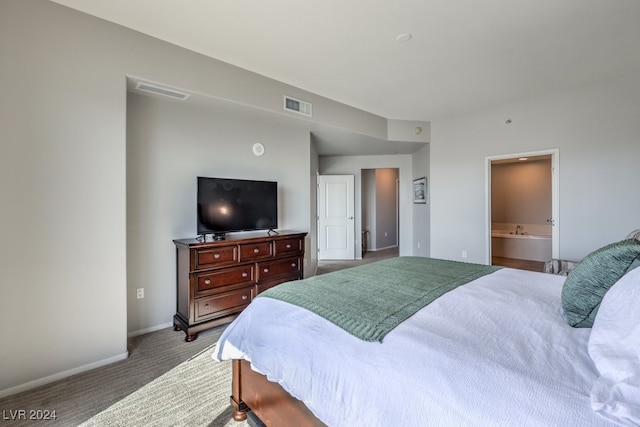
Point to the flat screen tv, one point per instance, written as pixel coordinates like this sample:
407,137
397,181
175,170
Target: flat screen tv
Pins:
228,205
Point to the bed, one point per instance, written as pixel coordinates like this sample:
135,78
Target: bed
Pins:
494,350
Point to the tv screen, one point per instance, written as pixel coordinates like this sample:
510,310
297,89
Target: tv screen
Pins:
226,205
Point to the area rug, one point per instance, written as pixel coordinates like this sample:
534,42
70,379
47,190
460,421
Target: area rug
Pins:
194,393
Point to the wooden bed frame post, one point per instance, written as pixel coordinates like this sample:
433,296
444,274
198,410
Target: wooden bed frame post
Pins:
267,401
239,407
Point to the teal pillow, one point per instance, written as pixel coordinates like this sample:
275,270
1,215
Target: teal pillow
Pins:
592,277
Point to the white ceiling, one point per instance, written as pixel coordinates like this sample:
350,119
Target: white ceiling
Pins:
464,55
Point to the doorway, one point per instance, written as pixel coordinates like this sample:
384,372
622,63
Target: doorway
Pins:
522,208
380,210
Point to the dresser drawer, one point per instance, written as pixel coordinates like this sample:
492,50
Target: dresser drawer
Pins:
223,304
287,267
253,251
220,255
243,274
289,246
263,286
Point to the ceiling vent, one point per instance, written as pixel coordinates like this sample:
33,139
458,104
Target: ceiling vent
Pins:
158,90
297,106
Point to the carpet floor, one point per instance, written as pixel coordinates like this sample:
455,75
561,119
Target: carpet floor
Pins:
195,393
371,256
79,397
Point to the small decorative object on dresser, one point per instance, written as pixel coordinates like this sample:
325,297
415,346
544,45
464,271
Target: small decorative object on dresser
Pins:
216,280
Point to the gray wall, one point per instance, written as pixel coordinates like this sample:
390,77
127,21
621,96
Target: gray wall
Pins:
521,192
62,160
63,121
422,212
386,212
311,251
169,144
368,190
597,132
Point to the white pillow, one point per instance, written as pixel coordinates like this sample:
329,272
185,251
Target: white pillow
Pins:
614,347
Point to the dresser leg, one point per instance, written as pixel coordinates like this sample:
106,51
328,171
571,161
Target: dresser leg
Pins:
191,337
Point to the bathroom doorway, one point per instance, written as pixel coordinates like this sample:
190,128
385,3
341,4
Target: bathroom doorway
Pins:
522,209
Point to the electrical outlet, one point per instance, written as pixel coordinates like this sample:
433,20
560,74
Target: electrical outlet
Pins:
385,234
464,254
140,293
418,245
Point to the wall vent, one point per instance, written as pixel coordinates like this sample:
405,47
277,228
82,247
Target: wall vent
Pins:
297,106
158,90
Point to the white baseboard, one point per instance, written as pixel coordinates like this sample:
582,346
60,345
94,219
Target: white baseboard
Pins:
147,330
60,375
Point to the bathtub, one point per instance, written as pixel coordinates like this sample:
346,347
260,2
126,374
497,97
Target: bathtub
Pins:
528,246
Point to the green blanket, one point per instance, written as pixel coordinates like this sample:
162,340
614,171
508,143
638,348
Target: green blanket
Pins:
370,300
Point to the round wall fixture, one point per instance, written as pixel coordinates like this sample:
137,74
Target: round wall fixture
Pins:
258,149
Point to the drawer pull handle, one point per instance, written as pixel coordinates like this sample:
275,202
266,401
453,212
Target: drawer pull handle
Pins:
245,274
244,297
256,250
288,246
207,306
293,264
207,282
216,256
266,270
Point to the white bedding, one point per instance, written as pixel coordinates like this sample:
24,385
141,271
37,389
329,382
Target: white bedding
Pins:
496,351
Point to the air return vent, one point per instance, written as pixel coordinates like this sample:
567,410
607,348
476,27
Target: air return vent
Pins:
297,106
158,90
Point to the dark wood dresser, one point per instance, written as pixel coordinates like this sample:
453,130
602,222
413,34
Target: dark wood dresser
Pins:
216,280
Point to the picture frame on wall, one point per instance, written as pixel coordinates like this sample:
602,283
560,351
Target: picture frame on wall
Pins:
420,190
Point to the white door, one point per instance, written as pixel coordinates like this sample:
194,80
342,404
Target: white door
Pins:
336,236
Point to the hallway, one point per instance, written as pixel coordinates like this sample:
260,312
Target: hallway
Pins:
371,256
